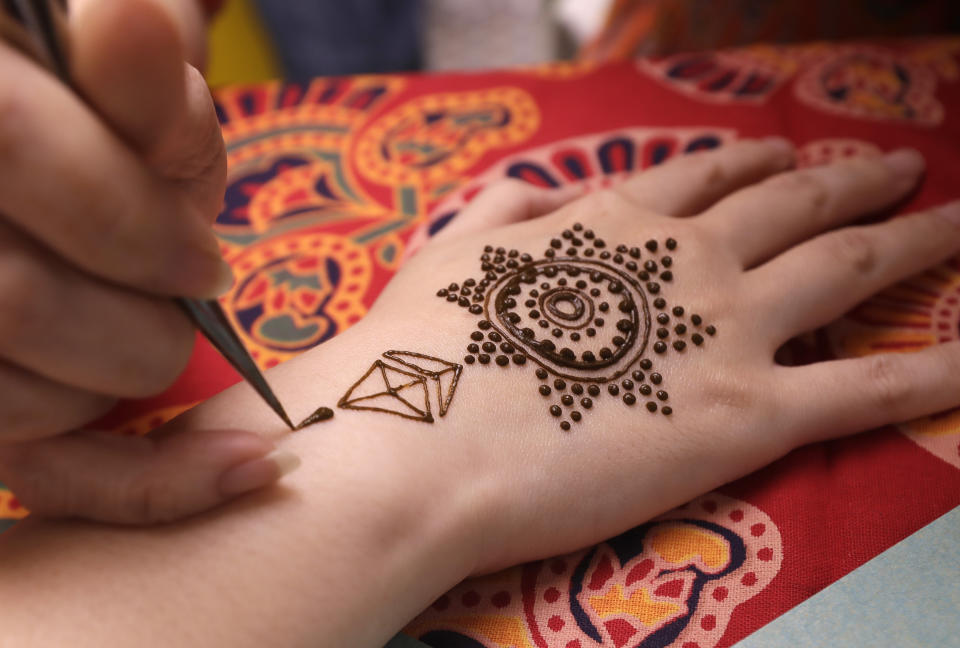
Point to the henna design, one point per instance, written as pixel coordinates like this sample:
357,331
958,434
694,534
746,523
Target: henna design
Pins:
404,390
319,414
584,314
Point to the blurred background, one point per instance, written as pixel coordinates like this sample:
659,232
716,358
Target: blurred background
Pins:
253,40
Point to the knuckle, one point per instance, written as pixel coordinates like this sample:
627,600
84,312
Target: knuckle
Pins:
147,504
621,196
715,174
806,187
513,184
888,383
854,248
619,202
728,397
867,172
508,188
149,499
936,228
707,169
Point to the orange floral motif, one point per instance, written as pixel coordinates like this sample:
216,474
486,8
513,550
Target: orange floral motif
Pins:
314,189
872,83
10,507
288,146
673,581
290,118
296,291
433,139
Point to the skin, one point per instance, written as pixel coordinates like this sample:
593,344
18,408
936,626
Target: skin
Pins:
100,224
387,513
400,510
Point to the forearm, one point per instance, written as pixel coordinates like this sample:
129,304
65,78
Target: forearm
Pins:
365,534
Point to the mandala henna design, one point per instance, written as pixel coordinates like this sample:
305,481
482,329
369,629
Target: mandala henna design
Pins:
405,390
585,315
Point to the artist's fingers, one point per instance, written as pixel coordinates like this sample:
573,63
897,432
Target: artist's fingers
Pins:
194,155
509,201
139,480
688,184
818,281
83,193
71,328
128,61
845,396
187,15
33,407
761,221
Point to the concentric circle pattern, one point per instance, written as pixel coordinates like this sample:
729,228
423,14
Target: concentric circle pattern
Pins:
585,315
578,318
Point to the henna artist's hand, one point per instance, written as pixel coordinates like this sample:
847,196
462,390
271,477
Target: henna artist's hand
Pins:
105,210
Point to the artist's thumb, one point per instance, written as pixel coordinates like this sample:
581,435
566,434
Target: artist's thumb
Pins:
140,480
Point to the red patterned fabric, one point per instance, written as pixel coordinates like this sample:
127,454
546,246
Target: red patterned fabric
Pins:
332,183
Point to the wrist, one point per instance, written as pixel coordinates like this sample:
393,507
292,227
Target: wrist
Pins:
399,505
382,515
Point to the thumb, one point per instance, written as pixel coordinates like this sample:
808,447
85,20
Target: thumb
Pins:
140,480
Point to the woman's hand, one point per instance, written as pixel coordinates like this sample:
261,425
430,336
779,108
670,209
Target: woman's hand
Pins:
709,264
106,201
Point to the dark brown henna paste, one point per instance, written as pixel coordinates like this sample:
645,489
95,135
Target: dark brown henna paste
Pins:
320,414
405,390
581,314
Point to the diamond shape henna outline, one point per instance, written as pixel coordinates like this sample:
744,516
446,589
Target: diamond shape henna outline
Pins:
406,390
585,315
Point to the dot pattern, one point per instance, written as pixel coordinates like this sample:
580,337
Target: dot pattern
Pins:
592,321
664,557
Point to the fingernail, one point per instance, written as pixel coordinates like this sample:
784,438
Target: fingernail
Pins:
904,162
257,473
